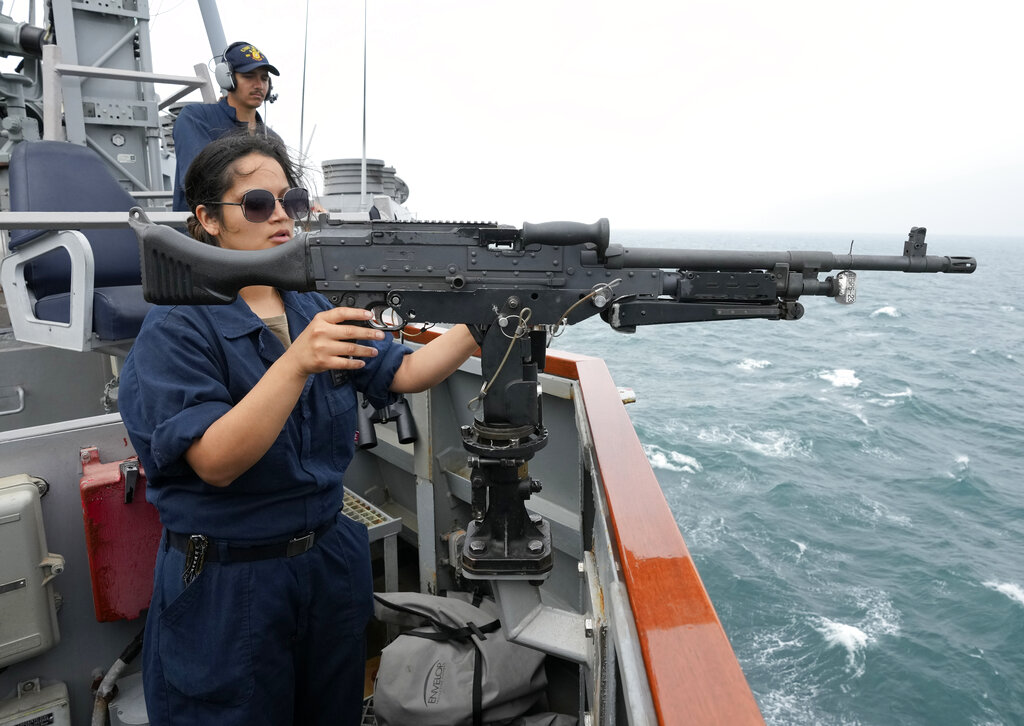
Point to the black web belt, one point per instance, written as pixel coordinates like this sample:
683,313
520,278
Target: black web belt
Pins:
238,553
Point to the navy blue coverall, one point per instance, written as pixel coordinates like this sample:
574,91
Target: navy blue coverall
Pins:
275,640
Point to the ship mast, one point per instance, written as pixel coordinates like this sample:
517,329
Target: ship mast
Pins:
214,28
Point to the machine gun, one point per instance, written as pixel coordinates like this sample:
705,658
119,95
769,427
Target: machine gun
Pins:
510,285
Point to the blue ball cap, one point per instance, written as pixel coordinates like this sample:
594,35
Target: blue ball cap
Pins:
243,57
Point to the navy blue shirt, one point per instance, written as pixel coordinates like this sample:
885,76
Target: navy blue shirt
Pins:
189,366
197,125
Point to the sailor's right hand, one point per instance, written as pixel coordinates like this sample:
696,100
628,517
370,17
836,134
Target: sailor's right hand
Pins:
331,341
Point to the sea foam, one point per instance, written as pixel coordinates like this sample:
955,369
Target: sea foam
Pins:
1011,589
888,400
841,378
888,311
749,364
671,460
850,637
880,618
801,548
773,443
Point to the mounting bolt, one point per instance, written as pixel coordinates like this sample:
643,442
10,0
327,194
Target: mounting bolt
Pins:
477,546
535,546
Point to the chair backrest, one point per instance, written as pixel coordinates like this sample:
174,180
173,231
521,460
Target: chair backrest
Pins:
58,176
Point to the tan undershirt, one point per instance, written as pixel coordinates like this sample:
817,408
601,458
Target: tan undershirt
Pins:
278,325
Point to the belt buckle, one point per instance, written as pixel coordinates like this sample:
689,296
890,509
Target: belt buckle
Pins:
298,545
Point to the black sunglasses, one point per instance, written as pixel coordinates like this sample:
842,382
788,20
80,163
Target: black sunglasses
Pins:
258,204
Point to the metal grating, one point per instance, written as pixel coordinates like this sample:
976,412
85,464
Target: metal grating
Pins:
368,718
379,523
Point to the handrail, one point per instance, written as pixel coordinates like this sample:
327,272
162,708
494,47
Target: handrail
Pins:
81,220
107,220
190,83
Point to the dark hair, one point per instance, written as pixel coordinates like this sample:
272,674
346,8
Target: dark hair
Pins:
213,172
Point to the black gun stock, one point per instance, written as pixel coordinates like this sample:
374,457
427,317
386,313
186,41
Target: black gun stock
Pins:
178,270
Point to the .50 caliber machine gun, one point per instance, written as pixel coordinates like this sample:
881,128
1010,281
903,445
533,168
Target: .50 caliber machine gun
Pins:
511,285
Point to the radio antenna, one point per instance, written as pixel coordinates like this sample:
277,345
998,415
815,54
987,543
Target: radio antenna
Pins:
362,171
302,106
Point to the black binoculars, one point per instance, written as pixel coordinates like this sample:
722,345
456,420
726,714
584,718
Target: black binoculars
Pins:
397,411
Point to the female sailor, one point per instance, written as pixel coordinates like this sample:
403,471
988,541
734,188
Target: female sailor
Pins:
244,417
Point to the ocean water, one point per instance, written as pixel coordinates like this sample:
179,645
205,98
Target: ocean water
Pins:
849,484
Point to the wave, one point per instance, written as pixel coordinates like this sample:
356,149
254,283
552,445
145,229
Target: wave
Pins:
1011,589
850,637
706,533
961,465
888,311
888,400
854,408
880,512
801,548
841,378
881,618
773,443
671,460
749,364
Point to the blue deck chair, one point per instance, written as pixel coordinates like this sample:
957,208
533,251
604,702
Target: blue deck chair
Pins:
71,289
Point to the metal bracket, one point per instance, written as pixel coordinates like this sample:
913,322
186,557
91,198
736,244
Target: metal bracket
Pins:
528,622
130,476
53,564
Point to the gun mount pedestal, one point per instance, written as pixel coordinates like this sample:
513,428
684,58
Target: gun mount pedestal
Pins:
504,540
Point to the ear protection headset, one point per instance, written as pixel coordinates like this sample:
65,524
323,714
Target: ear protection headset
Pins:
225,76
222,72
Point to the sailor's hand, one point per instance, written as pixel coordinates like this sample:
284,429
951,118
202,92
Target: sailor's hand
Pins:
331,341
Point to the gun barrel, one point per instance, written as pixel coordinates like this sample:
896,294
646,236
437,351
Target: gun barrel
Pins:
799,261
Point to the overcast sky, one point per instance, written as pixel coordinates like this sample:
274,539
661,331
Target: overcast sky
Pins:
820,116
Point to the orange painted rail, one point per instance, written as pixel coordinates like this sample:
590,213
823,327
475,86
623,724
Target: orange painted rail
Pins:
692,670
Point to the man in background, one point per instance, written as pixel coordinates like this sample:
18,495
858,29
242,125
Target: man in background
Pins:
243,73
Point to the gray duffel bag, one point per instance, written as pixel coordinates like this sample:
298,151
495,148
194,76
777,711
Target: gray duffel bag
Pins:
454,668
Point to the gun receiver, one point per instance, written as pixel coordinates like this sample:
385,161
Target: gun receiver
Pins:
510,283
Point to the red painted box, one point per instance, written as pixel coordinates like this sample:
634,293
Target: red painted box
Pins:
122,533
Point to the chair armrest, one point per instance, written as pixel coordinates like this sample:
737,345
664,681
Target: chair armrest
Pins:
75,335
